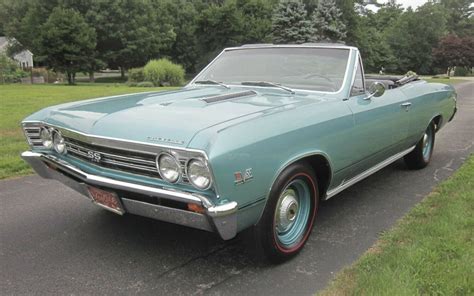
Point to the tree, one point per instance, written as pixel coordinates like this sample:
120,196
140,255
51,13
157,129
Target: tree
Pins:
327,22
219,26
459,18
372,34
257,16
290,23
413,36
350,18
67,42
373,46
233,23
183,16
130,33
454,51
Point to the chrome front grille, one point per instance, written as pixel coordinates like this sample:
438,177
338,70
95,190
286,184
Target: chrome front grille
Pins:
115,154
118,159
142,163
32,133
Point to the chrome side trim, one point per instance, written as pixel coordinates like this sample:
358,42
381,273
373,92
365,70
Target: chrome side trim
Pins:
367,173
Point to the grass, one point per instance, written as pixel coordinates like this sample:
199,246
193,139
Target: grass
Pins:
429,252
446,81
19,100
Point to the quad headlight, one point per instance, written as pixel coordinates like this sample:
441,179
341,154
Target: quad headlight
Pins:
46,137
168,167
199,174
58,142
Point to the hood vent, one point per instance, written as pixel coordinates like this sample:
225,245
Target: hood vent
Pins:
226,97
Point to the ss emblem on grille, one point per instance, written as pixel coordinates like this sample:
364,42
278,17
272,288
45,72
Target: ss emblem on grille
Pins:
94,156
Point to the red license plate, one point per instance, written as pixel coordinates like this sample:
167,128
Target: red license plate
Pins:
106,199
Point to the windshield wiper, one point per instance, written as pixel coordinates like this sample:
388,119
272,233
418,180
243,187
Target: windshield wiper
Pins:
212,82
267,83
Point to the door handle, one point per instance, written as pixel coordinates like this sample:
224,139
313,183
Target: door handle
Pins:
406,105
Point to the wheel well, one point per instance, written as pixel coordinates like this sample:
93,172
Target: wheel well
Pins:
322,169
438,120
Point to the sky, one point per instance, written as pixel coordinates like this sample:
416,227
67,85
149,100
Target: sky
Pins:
413,3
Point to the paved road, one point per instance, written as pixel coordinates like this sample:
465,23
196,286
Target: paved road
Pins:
54,241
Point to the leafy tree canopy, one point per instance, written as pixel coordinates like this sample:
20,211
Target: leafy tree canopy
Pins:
327,22
128,33
67,42
454,51
290,23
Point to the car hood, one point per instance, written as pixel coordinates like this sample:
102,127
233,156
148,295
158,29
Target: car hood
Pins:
171,118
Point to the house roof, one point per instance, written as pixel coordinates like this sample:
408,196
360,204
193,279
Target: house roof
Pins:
4,44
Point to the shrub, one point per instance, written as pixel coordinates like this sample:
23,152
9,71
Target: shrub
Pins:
136,75
461,71
163,72
48,75
440,76
10,72
145,84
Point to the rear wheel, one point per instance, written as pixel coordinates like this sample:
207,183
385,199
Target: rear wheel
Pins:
421,155
289,215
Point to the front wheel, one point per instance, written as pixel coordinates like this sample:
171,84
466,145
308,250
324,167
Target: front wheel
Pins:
421,155
289,215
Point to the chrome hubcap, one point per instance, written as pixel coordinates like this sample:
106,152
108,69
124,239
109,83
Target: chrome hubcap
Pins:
287,212
425,141
292,213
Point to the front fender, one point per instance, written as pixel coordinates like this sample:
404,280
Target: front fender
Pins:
265,146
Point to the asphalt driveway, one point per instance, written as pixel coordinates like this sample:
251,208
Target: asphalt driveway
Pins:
53,241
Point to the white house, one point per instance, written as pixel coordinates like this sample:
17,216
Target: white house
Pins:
24,58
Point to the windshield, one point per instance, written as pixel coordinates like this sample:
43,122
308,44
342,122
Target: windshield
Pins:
319,69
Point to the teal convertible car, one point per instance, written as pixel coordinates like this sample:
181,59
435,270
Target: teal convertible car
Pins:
255,141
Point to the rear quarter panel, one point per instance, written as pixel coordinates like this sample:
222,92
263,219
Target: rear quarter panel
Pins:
428,101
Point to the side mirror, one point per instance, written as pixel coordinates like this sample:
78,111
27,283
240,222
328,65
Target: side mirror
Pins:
377,89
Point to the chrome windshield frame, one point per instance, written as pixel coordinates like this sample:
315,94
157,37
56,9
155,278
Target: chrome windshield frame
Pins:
352,51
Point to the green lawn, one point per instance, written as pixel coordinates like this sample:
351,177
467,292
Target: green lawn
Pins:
447,81
429,252
19,100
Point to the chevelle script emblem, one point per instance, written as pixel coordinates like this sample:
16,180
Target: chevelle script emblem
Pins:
164,140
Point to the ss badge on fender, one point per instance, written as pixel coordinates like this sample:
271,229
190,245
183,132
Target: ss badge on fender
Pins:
243,178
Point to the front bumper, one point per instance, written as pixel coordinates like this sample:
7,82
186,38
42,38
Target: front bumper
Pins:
216,218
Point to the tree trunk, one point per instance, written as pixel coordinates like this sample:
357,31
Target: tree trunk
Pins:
122,73
91,77
69,77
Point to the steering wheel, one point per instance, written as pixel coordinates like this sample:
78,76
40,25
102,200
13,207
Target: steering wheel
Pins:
311,75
